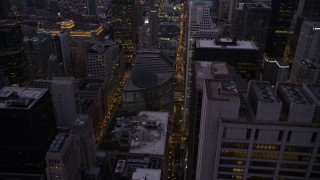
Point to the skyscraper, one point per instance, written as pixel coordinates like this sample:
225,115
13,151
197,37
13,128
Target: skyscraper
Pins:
64,100
13,62
262,134
282,14
63,158
124,25
62,50
27,126
307,48
253,25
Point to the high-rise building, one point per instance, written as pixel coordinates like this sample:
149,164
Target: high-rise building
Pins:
54,69
27,126
13,62
63,96
83,133
307,51
264,133
205,70
124,25
38,49
307,10
251,22
99,61
282,14
63,158
274,70
242,55
62,50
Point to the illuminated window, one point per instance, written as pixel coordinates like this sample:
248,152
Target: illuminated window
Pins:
266,147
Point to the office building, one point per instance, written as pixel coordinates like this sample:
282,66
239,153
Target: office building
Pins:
124,26
61,43
99,62
282,14
251,22
63,158
274,70
13,62
3,80
83,134
306,10
150,85
307,51
262,134
37,50
242,55
54,69
63,96
205,70
27,127
200,26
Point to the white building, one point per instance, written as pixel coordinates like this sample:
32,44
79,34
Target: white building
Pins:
143,174
264,134
62,159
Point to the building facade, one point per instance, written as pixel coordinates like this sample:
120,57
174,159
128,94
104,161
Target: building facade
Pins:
265,133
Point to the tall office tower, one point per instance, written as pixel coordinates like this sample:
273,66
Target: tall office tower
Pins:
225,9
63,158
27,126
98,62
38,49
307,10
13,62
83,133
201,26
231,51
92,7
253,25
307,51
205,70
124,25
62,50
54,69
155,26
63,96
282,14
275,70
263,134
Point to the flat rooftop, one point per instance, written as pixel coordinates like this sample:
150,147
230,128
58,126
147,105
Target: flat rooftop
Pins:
263,91
58,143
211,44
222,90
156,145
144,174
293,93
20,97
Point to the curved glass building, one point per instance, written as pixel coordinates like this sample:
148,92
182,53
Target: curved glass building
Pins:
13,62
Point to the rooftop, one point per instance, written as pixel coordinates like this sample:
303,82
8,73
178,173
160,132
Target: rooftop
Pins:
144,174
293,93
263,91
213,45
20,97
222,90
147,134
58,143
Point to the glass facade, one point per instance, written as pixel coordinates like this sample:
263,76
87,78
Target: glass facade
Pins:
13,62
